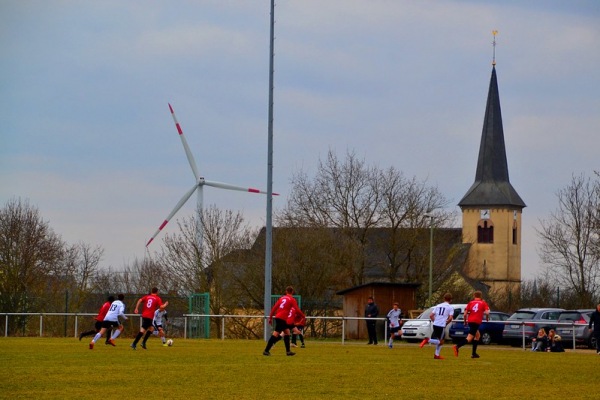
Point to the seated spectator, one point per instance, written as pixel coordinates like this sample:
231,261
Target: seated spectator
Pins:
540,343
556,344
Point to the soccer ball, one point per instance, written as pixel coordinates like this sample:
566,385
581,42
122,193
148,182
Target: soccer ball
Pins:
170,342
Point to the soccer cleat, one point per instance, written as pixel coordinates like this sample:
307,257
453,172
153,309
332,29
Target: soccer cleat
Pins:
390,346
303,346
111,342
293,344
266,353
424,342
475,356
455,348
133,346
144,346
290,353
438,357
91,345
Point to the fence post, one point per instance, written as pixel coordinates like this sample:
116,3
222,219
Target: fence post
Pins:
343,331
523,333
222,327
41,323
5,325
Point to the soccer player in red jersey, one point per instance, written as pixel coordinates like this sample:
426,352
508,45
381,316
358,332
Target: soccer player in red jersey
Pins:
150,303
99,318
473,315
284,311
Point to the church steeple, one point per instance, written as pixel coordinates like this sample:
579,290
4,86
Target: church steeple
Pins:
492,186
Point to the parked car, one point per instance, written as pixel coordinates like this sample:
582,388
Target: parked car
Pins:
491,331
578,321
528,321
420,328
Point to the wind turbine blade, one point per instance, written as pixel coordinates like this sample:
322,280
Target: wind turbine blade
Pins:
188,152
233,187
177,207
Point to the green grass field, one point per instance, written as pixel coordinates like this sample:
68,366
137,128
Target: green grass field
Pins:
58,368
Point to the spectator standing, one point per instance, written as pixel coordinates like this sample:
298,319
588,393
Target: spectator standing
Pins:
594,326
371,311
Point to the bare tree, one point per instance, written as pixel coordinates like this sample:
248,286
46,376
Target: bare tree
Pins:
343,195
30,257
406,209
190,270
569,239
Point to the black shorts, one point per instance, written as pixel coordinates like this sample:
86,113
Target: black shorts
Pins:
147,323
110,324
473,328
395,329
438,332
98,326
157,327
281,325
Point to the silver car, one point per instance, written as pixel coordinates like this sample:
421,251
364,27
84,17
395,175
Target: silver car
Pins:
420,328
576,321
527,322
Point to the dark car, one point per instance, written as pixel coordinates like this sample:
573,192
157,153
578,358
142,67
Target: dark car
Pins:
491,331
527,322
576,321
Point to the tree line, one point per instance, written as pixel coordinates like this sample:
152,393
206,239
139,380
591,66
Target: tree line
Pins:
319,246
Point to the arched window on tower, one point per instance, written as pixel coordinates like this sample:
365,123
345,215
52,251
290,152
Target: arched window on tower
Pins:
485,232
514,233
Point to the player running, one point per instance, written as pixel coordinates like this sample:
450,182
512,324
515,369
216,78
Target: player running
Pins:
157,323
394,317
111,320
473,315
441,316
150,303
99,318
284,310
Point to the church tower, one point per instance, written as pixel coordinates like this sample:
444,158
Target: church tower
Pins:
491,209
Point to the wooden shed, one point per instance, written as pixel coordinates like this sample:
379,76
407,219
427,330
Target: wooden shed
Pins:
384,295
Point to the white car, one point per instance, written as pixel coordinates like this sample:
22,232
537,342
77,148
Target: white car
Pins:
420,328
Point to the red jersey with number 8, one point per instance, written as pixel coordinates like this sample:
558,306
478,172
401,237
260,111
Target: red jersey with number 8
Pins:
150,304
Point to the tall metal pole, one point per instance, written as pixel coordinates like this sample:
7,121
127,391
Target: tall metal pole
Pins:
429,299
269,227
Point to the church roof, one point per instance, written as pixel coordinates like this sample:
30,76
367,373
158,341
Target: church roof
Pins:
492,186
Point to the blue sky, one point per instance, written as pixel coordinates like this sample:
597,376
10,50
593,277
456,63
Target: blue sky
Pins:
86,135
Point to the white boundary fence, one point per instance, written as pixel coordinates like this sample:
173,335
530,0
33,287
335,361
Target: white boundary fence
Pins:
223,318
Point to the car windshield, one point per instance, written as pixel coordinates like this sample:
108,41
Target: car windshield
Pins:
569,316
425,314
522,316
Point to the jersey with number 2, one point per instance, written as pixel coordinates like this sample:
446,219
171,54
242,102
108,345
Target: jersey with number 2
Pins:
285,307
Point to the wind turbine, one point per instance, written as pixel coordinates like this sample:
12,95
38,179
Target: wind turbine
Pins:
198,187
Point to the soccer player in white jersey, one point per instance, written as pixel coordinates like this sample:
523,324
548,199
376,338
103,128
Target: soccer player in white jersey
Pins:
159,315
111,320
394,317
441,316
